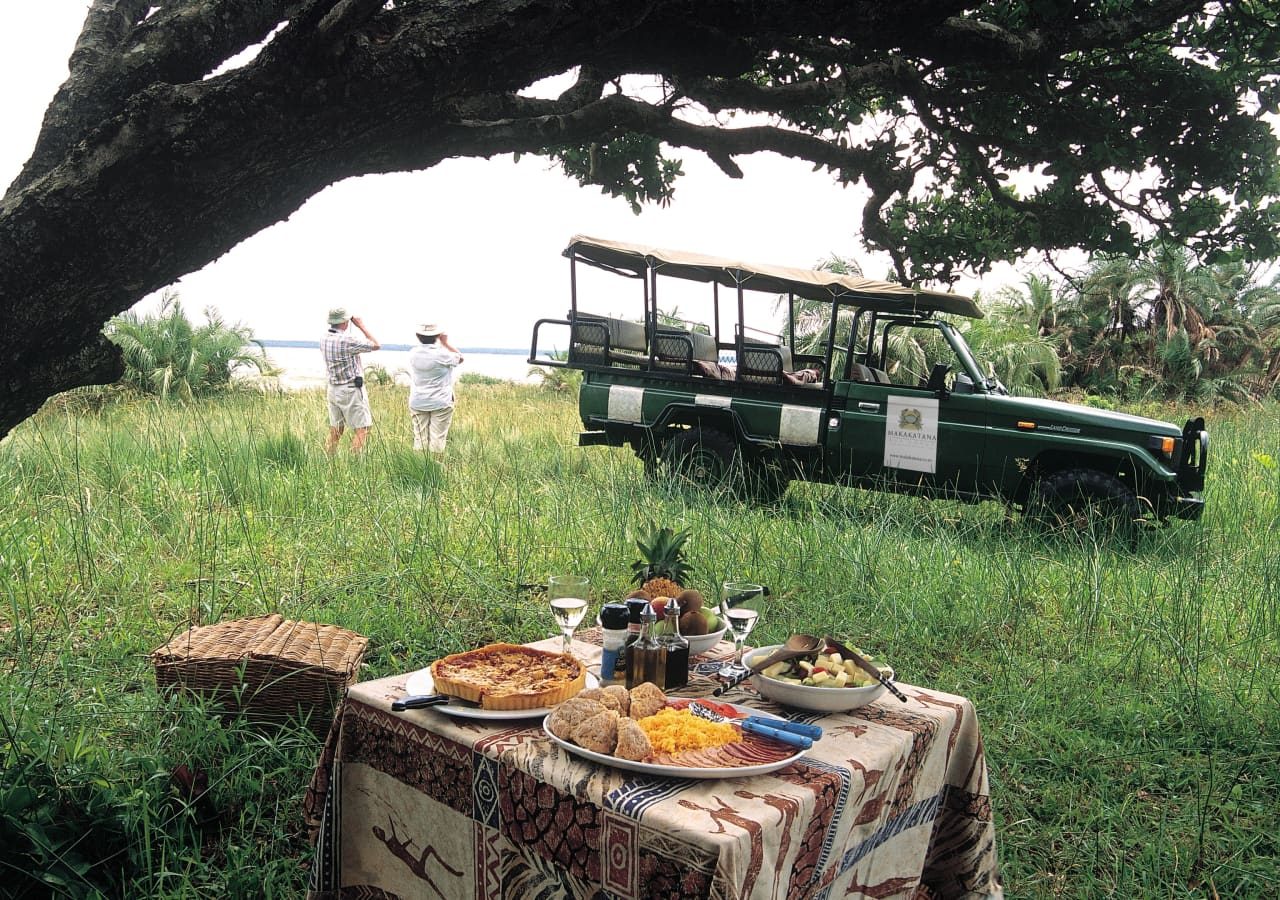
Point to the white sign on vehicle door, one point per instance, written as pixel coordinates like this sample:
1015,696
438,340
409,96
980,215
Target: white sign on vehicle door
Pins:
911,433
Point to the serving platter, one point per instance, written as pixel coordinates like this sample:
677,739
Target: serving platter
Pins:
421,682
772,756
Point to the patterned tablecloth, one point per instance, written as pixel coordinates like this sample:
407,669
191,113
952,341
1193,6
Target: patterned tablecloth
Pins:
891,802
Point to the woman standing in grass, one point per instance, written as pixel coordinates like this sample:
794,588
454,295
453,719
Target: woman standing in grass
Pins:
431,366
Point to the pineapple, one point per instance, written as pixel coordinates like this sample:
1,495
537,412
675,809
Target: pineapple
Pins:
662,570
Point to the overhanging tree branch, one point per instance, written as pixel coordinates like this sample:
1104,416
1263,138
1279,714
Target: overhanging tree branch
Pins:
144,171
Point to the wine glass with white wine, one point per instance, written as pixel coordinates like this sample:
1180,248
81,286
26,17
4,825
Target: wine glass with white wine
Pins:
740,606
568,596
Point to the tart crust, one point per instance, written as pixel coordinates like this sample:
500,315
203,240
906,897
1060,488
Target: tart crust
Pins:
509,676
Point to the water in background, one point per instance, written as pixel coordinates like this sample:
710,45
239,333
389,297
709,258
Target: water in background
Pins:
303,367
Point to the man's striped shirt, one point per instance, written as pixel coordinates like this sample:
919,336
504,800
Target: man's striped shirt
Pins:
342,356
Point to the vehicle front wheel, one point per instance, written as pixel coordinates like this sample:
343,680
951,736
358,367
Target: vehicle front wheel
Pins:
1078,500
701,457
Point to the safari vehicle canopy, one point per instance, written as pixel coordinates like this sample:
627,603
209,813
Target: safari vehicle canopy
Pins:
785,373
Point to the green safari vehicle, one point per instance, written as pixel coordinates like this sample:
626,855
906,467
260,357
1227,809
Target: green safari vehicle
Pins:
727,398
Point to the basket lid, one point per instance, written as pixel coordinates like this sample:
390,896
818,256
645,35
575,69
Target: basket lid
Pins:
270,637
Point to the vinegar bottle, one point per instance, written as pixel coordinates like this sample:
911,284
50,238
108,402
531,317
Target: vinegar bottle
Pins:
646,658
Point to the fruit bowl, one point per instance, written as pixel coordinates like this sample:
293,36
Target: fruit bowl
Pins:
701,643
815,699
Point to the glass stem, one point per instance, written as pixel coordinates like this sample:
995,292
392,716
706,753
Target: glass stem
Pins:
737,650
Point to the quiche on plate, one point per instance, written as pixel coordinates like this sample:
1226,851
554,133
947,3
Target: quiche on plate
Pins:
509,676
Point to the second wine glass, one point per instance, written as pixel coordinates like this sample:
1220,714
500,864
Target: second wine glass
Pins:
740,606
568,596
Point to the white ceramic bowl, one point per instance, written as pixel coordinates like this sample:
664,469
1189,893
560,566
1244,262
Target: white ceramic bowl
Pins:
704,642
816,699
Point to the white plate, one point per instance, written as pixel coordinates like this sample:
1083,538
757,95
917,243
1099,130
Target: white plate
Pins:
680,771
421,682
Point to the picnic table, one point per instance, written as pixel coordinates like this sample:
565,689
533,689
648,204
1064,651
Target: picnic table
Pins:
891,802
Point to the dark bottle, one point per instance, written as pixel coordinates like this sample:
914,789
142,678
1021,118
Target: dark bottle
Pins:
677,647
635,607
646,658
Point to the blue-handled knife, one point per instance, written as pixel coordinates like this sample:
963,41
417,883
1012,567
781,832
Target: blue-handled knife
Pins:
755,727
809,731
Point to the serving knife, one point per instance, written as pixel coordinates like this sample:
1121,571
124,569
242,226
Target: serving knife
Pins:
419,701
777,729
867,666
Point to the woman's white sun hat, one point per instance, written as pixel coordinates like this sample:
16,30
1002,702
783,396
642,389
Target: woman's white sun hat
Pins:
429,329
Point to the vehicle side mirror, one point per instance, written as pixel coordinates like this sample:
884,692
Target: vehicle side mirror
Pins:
938,377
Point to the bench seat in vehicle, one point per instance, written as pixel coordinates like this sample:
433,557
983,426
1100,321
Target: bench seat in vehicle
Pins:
606,341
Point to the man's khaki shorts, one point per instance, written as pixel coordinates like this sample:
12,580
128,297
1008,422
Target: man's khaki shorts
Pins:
349,406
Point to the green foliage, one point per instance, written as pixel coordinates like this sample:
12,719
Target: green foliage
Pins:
166,355
1135,119
1122,692
414,469
284,450
630,166
1015,340
558,379
662,556
1164,327
63,825
377,376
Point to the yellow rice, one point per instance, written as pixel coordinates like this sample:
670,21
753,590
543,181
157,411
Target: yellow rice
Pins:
673,730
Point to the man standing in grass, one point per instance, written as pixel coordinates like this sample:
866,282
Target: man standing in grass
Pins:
431,366
348,404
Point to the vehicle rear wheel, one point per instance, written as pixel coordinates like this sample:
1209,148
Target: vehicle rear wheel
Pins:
1078,500
701,457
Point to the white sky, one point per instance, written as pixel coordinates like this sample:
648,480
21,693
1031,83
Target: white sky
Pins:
472,243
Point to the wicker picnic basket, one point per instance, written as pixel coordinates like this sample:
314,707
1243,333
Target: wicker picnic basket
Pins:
270,668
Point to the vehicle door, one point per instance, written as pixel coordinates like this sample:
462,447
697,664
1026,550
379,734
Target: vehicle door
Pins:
918,435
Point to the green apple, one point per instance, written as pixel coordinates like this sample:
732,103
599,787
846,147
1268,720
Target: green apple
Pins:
713,621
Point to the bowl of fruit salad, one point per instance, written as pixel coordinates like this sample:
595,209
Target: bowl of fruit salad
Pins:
823,681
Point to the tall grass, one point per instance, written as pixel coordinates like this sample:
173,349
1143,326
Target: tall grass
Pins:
1128,693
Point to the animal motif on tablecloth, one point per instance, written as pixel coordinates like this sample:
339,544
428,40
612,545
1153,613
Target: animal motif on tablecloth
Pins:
416,864
870,777
890,887
958,708
923,731
829,787
857,730
727,813
787,808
